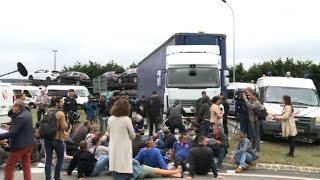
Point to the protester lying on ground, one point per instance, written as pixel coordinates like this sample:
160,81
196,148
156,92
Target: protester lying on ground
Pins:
151,156
143,171
244,156
86,164
98,150
167,143
201,159
221,145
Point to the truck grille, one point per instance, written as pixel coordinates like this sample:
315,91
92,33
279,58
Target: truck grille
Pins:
187,103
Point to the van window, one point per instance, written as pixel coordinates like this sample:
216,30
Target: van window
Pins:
82,93
230,94
62,93
27,93
16,92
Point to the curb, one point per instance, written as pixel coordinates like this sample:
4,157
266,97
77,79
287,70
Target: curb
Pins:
278,167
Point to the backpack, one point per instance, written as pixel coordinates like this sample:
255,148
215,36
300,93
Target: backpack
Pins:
262,113
48,126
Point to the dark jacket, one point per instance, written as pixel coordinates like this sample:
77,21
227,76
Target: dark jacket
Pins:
175,113
204,111
141,104
109,106
70,104
241,109
102,107
201,161
223,139
154,107
84,161
21,132
168,142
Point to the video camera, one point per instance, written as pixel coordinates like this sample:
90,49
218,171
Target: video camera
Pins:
239,94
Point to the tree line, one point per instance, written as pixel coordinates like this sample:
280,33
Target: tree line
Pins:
279,67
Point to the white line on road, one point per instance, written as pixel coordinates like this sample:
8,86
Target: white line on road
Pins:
268,176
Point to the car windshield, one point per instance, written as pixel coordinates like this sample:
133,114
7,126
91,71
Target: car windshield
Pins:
299,96
83,93
62,93
55,72
35,92
131,71
203,78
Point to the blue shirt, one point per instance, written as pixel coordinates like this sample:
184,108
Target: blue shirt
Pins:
151,157
90,109
182,150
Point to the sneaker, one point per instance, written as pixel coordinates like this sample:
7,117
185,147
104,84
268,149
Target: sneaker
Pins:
239,170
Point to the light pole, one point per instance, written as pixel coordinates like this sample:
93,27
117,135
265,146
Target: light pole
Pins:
55,59
234,41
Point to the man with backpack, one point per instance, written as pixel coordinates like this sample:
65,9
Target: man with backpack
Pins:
53,130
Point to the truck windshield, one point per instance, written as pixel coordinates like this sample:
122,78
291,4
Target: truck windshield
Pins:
299,96
204,78
83,93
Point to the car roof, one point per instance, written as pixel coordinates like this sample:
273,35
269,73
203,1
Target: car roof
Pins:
65,87
286,82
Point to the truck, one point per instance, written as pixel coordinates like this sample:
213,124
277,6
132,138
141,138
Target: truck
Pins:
305,103
184,66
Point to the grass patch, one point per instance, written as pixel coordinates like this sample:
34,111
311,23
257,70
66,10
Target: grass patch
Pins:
275,153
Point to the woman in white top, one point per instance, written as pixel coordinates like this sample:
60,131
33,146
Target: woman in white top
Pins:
121,134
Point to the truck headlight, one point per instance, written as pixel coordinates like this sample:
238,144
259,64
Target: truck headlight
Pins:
317,121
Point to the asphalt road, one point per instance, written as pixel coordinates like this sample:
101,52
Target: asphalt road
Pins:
38,174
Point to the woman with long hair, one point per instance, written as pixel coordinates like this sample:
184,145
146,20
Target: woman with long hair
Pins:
289,129
121,136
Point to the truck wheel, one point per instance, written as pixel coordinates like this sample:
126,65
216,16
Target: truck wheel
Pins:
30,78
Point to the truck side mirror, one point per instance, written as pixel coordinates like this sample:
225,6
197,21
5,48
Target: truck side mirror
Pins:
159,78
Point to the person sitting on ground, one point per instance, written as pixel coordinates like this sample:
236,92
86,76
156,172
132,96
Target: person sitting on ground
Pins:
98,150
137,145
181,151
151,156
86,164
220,145
188,125
138,123
244,155
201,159
143,171
94,132
167,143
81,133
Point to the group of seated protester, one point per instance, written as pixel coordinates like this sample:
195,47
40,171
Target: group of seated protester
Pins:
87,151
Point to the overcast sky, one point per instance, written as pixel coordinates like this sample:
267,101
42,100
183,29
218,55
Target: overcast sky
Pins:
128,30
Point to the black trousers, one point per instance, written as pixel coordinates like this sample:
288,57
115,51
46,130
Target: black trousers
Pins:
179,125
292,145
153,121
225,124
40,113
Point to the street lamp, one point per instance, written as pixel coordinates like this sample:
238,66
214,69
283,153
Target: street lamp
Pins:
234,42
55,59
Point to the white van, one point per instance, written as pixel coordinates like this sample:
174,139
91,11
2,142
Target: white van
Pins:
231,91
6,101
305,102
62,90
31,93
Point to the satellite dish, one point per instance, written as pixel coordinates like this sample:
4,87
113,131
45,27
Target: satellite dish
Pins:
21,69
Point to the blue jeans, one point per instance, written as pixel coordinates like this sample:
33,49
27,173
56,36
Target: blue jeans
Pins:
103,123
101,165
254,130
243,159
119,176
58,147
220,153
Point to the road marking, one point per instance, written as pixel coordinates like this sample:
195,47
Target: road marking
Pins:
269,176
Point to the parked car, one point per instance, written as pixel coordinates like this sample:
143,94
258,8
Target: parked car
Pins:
43,74
112,76
129,76
74,78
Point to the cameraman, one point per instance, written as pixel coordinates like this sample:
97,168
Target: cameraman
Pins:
242,112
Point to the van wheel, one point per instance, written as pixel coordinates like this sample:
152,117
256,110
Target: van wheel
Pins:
30,78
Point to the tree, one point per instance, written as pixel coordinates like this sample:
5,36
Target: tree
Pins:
133,65
94,69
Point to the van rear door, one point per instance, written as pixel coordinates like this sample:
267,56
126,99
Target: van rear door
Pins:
6,102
